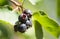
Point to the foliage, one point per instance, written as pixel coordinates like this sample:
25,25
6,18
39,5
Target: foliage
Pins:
43,25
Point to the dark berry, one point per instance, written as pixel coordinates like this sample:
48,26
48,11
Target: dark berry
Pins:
27,11
29,23
29,15
22,18
22,28
15,28
17,23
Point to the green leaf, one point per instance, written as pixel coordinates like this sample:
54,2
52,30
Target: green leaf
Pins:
27,4
5,30
58,11
4,2
58,8
47,23
38,30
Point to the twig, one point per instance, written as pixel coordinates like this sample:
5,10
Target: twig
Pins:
15,9
17,4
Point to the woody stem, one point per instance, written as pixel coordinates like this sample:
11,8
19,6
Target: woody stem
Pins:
17,4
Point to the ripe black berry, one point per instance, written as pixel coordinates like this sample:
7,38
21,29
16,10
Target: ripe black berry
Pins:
29,15
22,18
22,28
28,23
28,12
15,28
24,21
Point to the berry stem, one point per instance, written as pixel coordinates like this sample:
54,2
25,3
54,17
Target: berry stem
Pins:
15,9
18,5
15,3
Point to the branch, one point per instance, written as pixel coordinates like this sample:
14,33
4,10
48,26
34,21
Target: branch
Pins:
17,4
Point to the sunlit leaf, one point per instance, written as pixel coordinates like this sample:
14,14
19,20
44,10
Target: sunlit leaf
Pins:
47,23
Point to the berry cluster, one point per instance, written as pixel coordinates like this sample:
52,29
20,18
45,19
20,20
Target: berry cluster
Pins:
24,21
